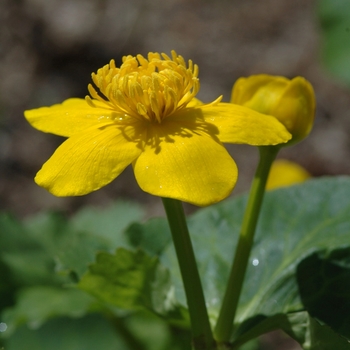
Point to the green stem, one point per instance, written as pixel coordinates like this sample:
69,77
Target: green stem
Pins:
200,325
229,306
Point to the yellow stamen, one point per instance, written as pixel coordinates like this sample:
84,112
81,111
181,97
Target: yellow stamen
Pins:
150,89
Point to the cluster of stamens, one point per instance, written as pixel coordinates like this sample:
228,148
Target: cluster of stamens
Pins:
149,89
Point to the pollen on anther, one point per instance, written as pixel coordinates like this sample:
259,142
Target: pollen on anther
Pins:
152,87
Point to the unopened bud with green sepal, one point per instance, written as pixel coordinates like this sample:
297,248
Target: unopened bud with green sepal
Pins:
291,101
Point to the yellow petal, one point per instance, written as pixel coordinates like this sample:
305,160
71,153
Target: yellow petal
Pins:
185,163
245,88
89,160
239,124
70,117
286,173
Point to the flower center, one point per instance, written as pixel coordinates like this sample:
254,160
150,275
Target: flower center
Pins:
148,89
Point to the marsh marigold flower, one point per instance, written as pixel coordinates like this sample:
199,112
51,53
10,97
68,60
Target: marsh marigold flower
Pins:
145,113
285,173
292,102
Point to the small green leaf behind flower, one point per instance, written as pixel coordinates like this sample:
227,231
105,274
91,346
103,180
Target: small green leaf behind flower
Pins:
133,281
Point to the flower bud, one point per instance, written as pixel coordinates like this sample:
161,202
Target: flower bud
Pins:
292,102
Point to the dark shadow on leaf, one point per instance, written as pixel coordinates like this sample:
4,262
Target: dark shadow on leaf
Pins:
324,287
293,324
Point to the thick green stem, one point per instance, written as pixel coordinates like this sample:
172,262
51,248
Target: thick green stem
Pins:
201,330
224,326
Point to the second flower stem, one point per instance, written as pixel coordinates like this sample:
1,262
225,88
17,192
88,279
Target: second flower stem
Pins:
229,306
201,330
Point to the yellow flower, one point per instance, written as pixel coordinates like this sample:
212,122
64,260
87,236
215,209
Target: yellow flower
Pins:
146,114
285,173
292,102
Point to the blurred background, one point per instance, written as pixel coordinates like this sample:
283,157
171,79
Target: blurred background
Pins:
48,49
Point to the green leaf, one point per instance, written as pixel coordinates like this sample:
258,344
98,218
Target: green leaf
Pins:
89,333
295,223
35,305
77,251
334,18
294,324
96,230
153,236
250,345
27,248
108,222
11,234
49,249
34,249
324,285
155,333
132,280
71,244
7,287
138,331
309,332
322,337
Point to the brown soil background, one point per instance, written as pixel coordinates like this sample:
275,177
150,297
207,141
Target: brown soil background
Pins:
48,49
